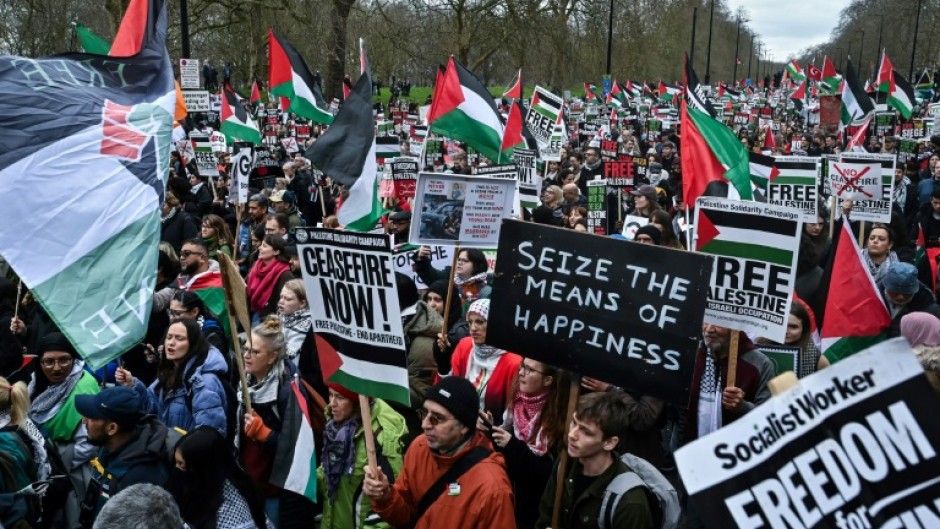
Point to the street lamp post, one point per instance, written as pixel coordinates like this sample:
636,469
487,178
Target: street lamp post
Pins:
737,40
708,54
184,29
610,34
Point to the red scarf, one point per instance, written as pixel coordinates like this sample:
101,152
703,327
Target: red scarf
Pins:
261,281
525,414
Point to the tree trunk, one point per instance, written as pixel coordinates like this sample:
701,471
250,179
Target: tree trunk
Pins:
336,61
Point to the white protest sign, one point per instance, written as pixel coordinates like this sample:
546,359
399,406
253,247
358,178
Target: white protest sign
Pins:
441,258
189,74
243,160
215,102
631,223
543,115
454,208
350,282
219,143
185,148
795,185
756,247
196,100
530,182
871,191
204,155
852,446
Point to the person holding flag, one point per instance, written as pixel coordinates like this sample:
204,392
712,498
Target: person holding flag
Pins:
269,375
340,475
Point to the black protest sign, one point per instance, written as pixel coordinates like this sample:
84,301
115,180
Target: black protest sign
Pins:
266,168
785,358
597,207
404,177
609,148
851,446
623,312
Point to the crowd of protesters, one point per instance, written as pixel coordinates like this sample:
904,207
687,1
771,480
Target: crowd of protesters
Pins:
163,431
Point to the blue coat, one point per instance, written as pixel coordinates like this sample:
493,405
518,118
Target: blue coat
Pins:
207,397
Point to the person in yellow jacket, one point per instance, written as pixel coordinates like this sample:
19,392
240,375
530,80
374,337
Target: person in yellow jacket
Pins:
340,474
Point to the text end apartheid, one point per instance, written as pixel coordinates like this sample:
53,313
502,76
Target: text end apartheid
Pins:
622,312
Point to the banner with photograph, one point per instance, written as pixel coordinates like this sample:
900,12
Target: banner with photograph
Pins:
458,208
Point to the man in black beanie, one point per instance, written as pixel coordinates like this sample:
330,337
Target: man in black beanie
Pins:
451,476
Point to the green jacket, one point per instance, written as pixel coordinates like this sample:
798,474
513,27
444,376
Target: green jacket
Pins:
633,511
61,427
388,427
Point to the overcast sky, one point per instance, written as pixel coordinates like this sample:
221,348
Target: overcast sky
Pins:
788,26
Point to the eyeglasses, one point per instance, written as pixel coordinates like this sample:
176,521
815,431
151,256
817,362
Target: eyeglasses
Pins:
176,313
186,253
63,362
433,418
253,352
526,370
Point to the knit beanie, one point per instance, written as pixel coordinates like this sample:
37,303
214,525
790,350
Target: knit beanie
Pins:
56,341
458,396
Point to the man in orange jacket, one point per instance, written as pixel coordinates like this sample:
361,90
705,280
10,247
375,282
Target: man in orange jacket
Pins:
451,476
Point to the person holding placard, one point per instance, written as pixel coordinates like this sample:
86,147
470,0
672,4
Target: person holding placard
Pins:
800,334
341,470
713,405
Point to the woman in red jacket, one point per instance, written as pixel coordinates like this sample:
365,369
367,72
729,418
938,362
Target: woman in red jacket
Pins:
490,369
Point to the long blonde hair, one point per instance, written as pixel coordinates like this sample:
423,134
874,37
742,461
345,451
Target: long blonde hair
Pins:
16,399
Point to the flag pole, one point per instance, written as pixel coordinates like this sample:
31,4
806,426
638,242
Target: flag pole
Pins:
573,395
19,298
733,358
832,216
227,265
366,412
861,234
450,289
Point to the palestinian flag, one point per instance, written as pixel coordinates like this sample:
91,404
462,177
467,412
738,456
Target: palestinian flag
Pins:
746,236
848,306
347,152
236,123
762,168
830,77
514,91
387,148
465,111
793,170
255,93
208,286
729,94
591,92
668,92
632,91
616,97
711,152
91,42
856,105
546,104
901,96
295,463
290,77
87,247
516,135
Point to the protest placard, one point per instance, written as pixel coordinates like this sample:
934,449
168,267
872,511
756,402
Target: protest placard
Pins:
542,115
851,446
441,258
456,208
350,282
597,207
404,176
868,180
609,148
433,157
756,246
189,78
784,358
204,155
196,100
530,182
619,173
266,168
626,313
243,160
795,185
631,223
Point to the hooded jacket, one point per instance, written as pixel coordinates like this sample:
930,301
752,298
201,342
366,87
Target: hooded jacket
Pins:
484,499
207,396
422,331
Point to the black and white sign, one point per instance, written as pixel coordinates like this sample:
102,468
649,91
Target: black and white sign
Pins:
189,75
623,312
196,100
852,446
